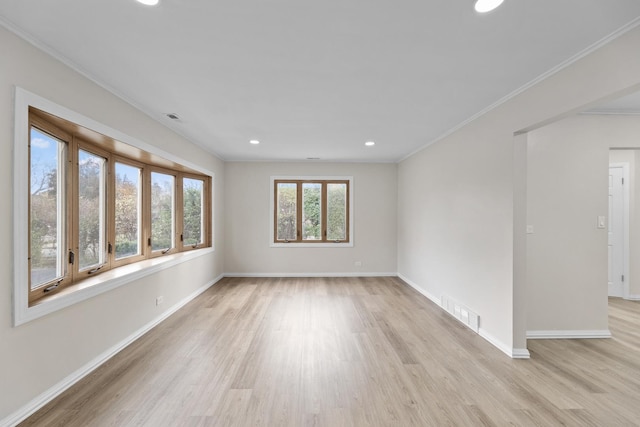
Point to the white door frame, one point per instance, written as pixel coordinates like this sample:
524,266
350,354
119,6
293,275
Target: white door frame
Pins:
625,224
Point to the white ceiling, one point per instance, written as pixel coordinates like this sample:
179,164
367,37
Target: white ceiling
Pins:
315,79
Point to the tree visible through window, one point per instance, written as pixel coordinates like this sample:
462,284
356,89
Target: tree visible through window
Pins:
162,211
193,211
311,211
92,173
47,220
93,205
128,215
286,206
337,211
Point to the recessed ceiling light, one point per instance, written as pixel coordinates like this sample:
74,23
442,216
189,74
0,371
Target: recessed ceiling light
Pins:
484,6
173,116
149,2
254,142
369,143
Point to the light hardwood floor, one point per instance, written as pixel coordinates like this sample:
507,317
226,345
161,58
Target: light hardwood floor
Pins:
349,352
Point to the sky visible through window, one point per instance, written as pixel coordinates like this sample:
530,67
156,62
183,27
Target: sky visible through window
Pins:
44,157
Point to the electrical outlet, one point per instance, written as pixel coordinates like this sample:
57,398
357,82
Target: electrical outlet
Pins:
358,263
159,300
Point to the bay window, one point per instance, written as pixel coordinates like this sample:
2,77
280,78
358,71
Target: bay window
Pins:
96,204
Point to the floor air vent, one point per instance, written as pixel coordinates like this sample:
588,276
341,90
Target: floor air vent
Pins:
460,312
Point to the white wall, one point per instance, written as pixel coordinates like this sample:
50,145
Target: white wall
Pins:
455,214
248,221
567,263
456,200
567,189
36,356
628,157
632,157
624,139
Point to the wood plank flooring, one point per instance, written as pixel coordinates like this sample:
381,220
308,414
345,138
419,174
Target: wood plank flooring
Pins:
349,352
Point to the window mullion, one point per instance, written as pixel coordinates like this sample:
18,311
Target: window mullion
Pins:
275,211
323,211
73,212
179,213
111,212
347,213
65,183
299,209
146,213
207,214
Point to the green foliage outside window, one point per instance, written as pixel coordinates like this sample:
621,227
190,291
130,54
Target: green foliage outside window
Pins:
287,201
192,215
316,220
127,213
311,225
162,211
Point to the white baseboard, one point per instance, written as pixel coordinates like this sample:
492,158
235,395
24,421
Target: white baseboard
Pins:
44,398
568,334
514,353
351,274
415,286
520,353
632,297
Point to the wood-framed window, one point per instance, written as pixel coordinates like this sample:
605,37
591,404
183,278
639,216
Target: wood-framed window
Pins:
193,212
163,190
96,204
311,211
127,237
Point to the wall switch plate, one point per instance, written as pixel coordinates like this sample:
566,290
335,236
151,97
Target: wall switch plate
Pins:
601,222
529,229
159,300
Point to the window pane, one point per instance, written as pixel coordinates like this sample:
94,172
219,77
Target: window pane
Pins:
336,211
162,211
311,224
193,213
47,228
287,200
91,209
128,211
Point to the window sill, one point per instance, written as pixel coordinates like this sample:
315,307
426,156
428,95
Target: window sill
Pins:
97,285
311,245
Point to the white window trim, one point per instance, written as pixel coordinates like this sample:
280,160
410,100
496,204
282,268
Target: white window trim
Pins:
112,279
310,245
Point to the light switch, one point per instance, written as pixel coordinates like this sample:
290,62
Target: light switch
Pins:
601,222
529,229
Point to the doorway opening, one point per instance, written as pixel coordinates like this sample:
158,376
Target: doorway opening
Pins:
618,225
